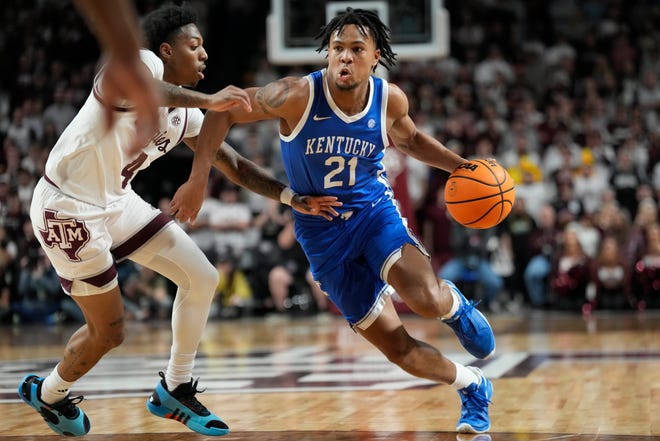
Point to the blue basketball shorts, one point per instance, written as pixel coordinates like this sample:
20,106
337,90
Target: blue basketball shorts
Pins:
350,259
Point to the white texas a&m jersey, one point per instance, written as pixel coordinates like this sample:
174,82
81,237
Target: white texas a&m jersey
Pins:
89,163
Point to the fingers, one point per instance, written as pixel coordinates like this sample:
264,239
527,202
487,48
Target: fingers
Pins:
232,96
184,216
329,201
181,214
241,98
332,211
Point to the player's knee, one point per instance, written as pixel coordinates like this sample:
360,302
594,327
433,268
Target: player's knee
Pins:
110,337
398,354
205,279
428,302
116,338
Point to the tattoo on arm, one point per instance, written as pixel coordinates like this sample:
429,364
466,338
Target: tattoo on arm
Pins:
176,96
273,95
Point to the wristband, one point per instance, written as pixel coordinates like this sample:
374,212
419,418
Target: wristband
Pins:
287,195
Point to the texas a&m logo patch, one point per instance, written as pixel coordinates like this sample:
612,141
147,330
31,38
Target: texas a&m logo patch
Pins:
68,234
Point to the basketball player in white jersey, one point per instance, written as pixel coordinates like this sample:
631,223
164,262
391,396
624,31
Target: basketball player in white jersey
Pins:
115,25
87,217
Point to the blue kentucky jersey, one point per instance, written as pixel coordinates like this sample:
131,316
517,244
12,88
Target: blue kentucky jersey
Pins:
331,153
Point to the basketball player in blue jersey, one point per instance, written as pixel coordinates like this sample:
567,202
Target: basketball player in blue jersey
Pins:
334,126
87,217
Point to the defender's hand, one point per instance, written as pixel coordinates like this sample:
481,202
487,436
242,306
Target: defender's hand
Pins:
229,97
316,205
187,202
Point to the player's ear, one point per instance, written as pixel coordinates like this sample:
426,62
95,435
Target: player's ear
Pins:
374,65
165,50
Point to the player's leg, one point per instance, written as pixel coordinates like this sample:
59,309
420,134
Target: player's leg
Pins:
104,330
73,235
392,251
413,279
172,253
418,358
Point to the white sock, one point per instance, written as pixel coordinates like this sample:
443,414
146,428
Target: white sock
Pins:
54,388
454,305
464,376
179,369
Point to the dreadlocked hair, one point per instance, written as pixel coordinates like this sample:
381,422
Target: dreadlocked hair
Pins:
365,21
162,24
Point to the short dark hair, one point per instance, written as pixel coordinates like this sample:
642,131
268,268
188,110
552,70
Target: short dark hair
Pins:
363,19
162,24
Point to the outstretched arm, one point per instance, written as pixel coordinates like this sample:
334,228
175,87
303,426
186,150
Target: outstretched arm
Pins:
246,173
225,99
188,199
284,99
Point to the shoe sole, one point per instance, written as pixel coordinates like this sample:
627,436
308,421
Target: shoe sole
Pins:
161,411
466,428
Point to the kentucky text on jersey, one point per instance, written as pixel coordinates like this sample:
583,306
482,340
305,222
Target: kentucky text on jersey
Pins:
338,145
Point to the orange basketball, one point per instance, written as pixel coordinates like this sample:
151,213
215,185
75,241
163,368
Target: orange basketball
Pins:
479,194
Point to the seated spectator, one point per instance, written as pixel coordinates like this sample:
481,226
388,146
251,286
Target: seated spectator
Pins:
543,242
145,292
611,220
567,206
516,231
591,182
625,180
647,270
570,272
233,296
562,153
610,278
290,281
224,221
587,233
471,261
647,214
534,191
40,298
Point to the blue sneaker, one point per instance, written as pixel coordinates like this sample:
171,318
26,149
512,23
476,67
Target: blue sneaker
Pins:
182,406
64,417
471,327
474,405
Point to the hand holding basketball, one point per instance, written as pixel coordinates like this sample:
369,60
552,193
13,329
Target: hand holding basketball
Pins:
479,193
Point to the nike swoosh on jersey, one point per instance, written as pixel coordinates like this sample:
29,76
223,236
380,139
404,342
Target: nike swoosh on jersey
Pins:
320,118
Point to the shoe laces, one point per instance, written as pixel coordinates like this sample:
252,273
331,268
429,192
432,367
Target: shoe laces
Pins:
68,406
470,305
473,400
186,392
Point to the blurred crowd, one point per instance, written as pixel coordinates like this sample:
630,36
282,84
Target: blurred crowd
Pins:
564,94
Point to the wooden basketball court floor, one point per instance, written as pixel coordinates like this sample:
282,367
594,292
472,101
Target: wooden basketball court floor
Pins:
556,376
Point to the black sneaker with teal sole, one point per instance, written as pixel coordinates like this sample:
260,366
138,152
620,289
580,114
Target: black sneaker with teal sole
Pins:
64,417
181,405
471,327
475,400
